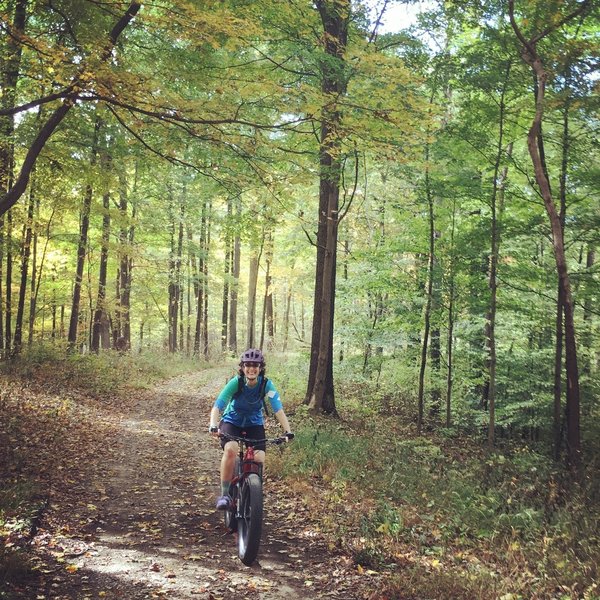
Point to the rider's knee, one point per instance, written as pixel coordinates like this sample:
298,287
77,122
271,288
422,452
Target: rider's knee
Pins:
230,450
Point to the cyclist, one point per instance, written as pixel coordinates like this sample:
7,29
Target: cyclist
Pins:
238,408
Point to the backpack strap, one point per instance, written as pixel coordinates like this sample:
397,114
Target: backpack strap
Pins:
261,392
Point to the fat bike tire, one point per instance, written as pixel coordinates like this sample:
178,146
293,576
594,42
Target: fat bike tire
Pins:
250,518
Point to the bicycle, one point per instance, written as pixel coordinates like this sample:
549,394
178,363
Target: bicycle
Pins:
245,514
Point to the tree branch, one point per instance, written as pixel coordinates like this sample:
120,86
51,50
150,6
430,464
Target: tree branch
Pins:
8,200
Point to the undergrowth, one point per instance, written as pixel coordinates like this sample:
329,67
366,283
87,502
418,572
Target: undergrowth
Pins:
438,515
106,373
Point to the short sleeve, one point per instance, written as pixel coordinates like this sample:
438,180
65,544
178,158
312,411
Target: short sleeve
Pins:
226,394
273,396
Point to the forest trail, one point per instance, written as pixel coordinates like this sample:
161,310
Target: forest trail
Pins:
151,529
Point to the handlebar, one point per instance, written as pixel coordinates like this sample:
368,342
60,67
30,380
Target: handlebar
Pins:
251,442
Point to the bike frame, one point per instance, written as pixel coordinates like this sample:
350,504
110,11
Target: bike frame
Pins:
245,490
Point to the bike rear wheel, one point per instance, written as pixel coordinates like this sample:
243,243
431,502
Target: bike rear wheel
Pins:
250,520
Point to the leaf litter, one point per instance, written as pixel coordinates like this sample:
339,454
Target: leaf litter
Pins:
127,485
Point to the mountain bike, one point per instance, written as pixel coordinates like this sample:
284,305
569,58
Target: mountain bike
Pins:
245,515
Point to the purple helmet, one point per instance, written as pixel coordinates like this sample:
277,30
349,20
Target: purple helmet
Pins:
252,355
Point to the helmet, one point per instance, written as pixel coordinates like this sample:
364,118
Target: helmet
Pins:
252,355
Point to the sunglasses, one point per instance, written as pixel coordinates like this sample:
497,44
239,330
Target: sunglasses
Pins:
252,364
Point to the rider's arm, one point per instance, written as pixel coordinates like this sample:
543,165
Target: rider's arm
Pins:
215,417
283,420
277,407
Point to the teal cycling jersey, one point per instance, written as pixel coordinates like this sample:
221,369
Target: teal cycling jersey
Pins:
246,409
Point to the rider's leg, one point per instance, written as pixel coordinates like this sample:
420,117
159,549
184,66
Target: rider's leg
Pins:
227,463
259,456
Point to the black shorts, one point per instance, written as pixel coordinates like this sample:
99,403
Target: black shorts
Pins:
253,432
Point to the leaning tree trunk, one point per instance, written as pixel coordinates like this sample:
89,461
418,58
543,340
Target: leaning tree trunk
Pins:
9,199
531,57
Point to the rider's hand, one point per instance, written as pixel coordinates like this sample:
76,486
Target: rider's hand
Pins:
289,435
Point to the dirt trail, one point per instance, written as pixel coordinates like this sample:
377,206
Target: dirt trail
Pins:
155,532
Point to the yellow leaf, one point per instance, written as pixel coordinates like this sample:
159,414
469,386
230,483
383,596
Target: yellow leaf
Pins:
72,568
360,569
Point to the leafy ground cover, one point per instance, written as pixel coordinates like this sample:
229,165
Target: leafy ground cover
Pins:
438,516
108,483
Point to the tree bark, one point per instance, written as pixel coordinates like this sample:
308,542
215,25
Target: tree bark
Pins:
531,57
335,18
252,284
235,281
226,277
26,253
427,316
100,327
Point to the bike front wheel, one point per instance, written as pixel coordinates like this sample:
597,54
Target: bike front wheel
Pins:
250,518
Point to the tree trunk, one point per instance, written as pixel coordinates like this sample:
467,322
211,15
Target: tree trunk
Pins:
201,333
427,316
530,56
12,51
235,279
335,18
450,341
252,285
18,339
267,320
205,280
83,242
226,278
8,299
286,318
100,328
175,271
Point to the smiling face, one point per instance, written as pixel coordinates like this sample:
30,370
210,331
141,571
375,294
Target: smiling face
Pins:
251,370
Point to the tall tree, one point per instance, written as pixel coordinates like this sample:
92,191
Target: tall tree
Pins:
529,53
335,18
